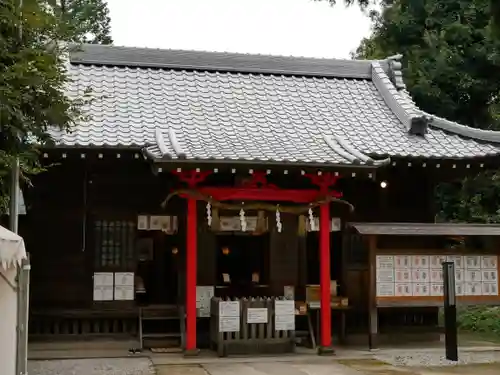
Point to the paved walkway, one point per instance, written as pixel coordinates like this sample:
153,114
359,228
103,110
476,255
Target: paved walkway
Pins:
269,368
334,367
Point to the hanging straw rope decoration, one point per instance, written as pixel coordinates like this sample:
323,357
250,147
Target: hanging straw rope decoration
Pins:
298,209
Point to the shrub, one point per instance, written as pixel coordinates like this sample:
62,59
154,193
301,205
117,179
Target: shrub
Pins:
483,319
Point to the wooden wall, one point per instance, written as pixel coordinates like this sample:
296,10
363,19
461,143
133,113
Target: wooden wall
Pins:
54,234
284,254
58,227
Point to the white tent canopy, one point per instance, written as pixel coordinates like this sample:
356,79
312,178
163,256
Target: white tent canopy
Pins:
12,249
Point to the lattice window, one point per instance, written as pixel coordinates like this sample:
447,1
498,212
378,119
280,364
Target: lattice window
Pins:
114,243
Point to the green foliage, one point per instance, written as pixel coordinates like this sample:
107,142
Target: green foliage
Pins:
494,6
451,57
33,80
452,69
84,21
481,319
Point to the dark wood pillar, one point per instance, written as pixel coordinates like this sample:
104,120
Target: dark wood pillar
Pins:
372,294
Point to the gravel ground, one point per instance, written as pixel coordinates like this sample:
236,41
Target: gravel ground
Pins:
414,359
116,366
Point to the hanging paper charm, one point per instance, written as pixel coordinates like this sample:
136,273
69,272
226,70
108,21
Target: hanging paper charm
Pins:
243,220
311,220
209,214
279,225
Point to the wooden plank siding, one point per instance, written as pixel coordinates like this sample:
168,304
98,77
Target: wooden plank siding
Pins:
284,254
66,201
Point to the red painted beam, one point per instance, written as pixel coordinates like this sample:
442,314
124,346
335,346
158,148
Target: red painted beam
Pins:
265,194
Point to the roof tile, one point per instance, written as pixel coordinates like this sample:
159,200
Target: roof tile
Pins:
251,116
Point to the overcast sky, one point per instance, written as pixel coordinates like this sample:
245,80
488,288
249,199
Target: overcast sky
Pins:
279,27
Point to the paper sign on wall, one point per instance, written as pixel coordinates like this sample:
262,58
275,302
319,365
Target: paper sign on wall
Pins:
257,315
422,275
229,316
103,286
284,319
204,296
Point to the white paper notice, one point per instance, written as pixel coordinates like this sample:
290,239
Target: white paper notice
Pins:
124,293
229,309
103,278
473,262
229,324
257,315
385,275
103,293
385,289
490,289
421,290
103,286
489,261
403,290
403,276
493,288
402,261
420,275
437,261
420,261
473,288
457,259
289,292
284,322
436,276
142,222
285,307
437,290
473,275
489,275
459,275
385,261
204,296
124,279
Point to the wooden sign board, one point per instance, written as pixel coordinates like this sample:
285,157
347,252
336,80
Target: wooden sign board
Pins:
421,276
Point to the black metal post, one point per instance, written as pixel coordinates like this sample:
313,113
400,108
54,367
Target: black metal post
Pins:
450,311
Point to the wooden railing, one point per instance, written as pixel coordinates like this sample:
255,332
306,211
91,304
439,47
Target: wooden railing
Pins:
82,324
264,336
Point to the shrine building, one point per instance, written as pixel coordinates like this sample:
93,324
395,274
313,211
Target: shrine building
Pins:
201,174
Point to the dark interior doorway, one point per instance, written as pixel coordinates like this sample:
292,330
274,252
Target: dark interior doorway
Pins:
240,256
313,262
160,270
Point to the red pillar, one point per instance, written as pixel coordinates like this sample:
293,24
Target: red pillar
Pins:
324,251
191,270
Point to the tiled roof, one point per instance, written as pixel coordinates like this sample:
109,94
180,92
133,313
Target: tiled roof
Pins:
213,106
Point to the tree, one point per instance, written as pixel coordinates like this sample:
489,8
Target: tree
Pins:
452,69
84,21
452,59
494,6
32,87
